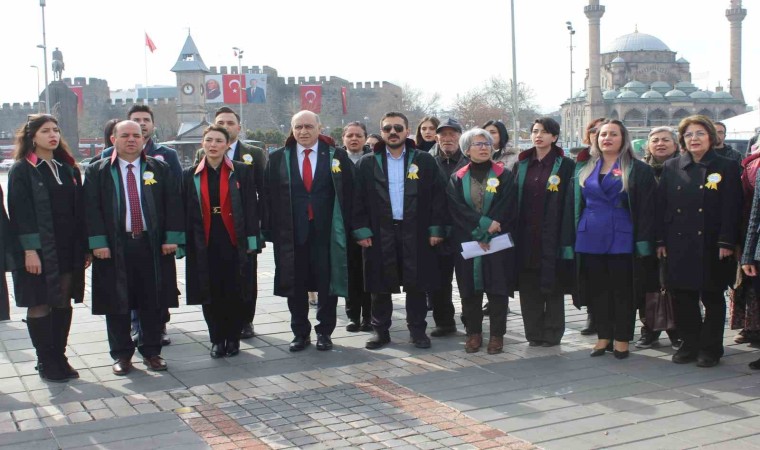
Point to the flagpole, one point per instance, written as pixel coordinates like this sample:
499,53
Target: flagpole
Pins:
145,53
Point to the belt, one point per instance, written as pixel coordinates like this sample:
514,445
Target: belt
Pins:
216,210
397,222
131,235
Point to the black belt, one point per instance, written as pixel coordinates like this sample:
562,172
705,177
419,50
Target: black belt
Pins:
135,236
397,222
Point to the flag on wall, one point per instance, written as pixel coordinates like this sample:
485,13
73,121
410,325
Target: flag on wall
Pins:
311,97
343,98
80,97
233,88
149,43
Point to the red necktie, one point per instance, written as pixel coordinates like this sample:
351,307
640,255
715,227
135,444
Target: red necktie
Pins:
134,201
307,177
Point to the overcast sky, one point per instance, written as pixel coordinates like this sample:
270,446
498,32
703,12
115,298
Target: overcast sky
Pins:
440,46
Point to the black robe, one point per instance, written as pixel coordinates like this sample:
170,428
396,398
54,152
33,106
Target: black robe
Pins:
278,226
424,217
493,274
31,220
242,194
106,212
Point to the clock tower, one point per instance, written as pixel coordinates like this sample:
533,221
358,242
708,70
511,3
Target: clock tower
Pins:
190,70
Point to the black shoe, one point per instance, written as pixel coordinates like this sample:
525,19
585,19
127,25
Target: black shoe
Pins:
324,342
352,327
299,343
681,357
421,341
675,344
621,354
610,348
218,350
755,365
365,326
598,352
549,344
165,340
535,343
590,327
707,361
443,331
645,341
232,347
378,340
247,331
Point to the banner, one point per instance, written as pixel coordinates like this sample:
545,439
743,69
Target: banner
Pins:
343,98
213,89
311,97
80,98
233,87
256,88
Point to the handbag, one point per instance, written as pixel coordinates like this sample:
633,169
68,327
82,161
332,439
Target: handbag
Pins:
659,314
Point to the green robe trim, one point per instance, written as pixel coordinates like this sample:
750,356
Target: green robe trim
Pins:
362,233
175,237
30,241
98,242
481,232
253,243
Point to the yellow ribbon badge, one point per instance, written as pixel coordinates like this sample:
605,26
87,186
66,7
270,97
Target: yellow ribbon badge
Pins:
553,183
149,178
492,184
335,165
712,181
248,159
413,169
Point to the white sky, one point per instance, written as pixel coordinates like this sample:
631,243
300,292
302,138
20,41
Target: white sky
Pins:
443,46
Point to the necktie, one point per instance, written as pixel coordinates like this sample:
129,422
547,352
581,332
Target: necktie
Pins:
307,177
134,201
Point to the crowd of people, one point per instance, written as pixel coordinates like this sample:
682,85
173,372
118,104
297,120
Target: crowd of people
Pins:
382,214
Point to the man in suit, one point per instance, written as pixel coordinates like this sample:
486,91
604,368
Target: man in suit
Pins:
255,94
308,190
255,158
134,223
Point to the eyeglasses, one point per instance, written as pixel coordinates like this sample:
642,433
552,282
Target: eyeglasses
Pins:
398,128
691,135
480,144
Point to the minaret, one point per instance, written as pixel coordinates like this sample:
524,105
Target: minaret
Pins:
735,14
594,11
191,72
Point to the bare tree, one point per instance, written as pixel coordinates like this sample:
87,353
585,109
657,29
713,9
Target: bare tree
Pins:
417,105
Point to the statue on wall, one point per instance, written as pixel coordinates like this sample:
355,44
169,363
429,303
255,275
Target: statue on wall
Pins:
58,65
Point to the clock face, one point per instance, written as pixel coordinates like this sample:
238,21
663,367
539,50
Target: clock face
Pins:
188,89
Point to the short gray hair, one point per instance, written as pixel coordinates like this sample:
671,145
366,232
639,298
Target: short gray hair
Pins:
466,140
671,130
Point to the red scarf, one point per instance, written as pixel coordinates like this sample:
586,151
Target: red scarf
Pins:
224,197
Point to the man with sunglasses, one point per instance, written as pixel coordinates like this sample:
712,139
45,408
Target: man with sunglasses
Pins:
399,217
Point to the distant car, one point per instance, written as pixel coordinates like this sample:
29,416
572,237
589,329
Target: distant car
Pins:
6,164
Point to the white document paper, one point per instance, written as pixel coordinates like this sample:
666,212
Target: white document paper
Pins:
472,249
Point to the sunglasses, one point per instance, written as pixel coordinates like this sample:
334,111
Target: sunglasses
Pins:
398,128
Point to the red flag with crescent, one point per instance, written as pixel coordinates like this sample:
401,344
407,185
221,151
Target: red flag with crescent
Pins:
149,43
311,97
80,97
343,98
234,88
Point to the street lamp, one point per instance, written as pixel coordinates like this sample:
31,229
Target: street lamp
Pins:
38,85
44,59
239,54
572,122
515,122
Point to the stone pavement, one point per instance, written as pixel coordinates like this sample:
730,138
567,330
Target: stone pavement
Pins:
351,397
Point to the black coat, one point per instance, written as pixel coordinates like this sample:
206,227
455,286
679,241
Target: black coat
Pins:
424,217
495,273
449,166
278,222
695,221
31,220
106,212
556,272
242,191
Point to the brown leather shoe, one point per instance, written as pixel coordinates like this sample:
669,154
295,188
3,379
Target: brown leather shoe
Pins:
122,366
495,345
473,343
155,363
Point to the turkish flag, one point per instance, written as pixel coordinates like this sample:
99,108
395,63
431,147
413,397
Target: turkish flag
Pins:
311,97
234,88
149,43
345,101
80,97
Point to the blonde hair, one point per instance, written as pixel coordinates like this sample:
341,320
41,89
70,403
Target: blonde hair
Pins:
626,155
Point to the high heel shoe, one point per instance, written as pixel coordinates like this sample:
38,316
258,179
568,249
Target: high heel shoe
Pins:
598,352
620,354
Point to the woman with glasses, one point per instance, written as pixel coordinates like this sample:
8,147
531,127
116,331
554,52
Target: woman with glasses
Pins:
47,216
543,176
698,211
613,214
506,156
425,137
482,203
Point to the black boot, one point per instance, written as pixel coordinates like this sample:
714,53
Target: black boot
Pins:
590,325
41,332
61,328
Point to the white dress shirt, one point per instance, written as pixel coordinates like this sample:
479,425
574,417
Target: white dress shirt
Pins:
231,151
312,158
138,181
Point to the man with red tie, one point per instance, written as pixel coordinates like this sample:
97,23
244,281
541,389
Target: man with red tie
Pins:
134,224
307,190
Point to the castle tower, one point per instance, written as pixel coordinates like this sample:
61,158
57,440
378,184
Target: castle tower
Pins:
190,70
594,11
735,15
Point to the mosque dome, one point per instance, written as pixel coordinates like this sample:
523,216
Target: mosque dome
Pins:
653,95
580,94
685,86
636,42
618,60
661,86
675,93
636,86
609,95
629,95
722,95
682,60
700,94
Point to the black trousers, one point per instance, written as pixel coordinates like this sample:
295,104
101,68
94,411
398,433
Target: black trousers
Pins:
226,312
249,312
441,299
472,308
610,290
358,302
308,266
416,301
543,314
141,284
700,336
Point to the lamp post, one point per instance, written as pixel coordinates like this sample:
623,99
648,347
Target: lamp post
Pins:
38,85
515,111
239,54
572,121
44,59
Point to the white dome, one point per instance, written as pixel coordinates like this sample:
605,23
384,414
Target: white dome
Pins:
635,42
